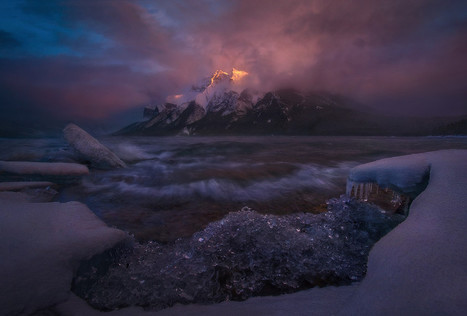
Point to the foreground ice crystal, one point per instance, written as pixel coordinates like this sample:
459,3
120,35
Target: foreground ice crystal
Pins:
242,255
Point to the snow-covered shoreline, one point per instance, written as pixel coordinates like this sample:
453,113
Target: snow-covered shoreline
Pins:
418,268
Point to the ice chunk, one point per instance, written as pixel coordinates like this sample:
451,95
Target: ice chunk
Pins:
245,254
43,168
91,149
407,174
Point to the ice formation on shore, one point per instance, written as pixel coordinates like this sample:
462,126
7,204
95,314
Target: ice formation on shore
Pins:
408,176
243,255
372,193
405,179
419,267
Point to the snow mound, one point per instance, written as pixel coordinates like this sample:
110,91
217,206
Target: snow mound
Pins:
419,268
42,244
43,168
91,149
242,255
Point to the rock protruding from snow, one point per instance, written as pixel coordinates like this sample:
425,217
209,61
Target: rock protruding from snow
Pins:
43,168
91,149
42,244
419,268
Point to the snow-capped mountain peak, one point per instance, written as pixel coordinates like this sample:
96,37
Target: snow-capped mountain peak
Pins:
220,76
223,85
212,90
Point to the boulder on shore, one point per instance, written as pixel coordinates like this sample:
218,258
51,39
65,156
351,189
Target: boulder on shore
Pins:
91,149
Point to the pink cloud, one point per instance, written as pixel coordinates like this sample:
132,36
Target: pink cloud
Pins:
407,53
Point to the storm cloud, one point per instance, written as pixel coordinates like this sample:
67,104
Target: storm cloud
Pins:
93,59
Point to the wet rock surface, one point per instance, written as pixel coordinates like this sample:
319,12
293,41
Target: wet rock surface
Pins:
245,254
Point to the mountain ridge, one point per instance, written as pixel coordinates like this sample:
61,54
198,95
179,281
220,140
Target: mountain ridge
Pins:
224,106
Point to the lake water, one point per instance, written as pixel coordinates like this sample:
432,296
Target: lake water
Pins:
175,186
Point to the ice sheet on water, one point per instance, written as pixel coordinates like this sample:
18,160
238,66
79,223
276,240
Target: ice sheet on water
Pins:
243,255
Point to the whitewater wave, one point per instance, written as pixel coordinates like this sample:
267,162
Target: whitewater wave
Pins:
144,184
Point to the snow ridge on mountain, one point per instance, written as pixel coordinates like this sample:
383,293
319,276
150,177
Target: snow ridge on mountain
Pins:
224,104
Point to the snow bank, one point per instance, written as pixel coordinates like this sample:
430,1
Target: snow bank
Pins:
91,149
15,197
43,168
42,243
316,301
419,268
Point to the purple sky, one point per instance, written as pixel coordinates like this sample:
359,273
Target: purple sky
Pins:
87,59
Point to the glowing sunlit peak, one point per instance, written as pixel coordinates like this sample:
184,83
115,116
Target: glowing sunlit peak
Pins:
218,75
238,74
